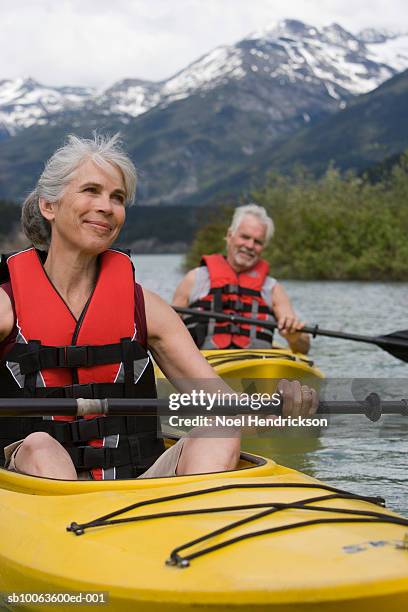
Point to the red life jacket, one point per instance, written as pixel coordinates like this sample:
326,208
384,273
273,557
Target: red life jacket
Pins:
232,293
97,356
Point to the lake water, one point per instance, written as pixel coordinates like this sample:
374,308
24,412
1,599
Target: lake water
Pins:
352,453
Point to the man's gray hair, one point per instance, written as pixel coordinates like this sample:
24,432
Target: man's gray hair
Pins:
59,170
257,211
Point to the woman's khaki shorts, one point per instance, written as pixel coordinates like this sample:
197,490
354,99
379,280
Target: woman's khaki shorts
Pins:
165,465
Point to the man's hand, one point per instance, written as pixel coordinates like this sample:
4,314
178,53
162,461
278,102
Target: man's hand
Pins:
289,325
298,400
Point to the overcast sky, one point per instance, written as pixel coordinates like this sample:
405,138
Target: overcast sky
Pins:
98,42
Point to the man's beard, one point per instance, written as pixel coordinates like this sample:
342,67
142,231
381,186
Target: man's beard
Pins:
246,257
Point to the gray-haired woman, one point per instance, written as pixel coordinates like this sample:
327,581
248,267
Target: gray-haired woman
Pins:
73,323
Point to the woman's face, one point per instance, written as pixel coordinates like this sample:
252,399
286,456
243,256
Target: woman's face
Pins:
91,211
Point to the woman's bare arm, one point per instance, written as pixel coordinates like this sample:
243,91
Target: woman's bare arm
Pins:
172,346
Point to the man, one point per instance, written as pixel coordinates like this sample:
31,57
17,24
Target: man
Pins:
240,284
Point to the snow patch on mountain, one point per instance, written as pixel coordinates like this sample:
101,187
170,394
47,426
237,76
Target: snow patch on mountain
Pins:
23,101
343,61
207,72
392,52
129,97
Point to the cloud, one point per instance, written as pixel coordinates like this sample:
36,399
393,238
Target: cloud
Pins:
98,42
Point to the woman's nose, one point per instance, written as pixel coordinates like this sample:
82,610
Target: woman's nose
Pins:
104,202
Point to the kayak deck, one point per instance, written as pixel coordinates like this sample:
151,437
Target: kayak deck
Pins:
258,370
330,566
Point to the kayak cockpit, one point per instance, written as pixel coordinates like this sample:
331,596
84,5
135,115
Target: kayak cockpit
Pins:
249,465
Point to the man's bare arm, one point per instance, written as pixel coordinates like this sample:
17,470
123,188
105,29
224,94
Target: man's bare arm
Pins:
289,325
183,291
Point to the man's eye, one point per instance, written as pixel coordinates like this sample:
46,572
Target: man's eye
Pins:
91,189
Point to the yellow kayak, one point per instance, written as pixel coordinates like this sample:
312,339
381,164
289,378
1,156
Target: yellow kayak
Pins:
257,364
296,544
257,370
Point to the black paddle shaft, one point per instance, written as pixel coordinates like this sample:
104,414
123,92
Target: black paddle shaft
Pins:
372,407
396,343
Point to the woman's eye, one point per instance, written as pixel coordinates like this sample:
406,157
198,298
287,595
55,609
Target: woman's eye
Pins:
120,198
91,189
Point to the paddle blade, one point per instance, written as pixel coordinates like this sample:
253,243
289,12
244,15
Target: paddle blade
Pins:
396,344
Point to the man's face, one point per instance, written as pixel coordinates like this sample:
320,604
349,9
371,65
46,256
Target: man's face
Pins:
245,245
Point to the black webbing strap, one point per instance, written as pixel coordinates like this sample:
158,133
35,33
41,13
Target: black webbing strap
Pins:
235,305
86,391
127,359
130,451
233,329
235,290
217,299
4,271
30,380
82,430
33,357
89,457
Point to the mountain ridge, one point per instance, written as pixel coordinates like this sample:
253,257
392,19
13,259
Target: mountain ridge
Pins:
25,102
211,119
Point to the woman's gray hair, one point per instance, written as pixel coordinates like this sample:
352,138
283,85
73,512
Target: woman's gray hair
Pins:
59,170
256,211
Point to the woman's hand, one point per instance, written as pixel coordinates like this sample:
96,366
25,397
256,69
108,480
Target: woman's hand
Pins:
298,400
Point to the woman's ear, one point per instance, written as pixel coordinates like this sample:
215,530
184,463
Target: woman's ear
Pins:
47,209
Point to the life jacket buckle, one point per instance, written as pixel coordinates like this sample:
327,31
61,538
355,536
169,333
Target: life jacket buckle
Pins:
76,356
238,306
233,289
84,430
76,391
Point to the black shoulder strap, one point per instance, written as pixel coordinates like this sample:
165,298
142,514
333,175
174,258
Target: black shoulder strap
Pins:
4,271
127,252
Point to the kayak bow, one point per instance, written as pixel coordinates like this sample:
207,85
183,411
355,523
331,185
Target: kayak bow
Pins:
262,537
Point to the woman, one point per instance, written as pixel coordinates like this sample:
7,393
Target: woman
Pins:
73,323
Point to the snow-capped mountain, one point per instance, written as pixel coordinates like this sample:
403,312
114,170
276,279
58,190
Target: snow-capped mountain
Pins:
24,102
289,51
344,62
292,50
129,97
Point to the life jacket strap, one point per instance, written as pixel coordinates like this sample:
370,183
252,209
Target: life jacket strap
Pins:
235,305
134,451
34,356
233,329
235,290
81,430
87,391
